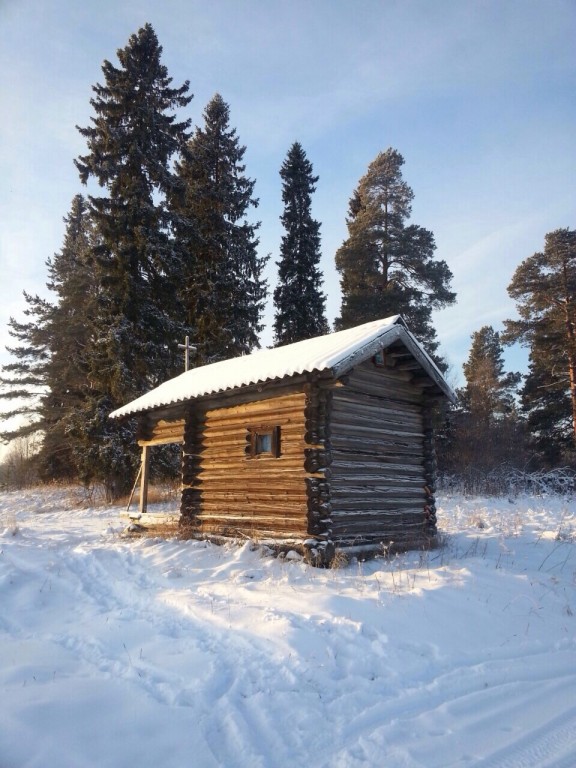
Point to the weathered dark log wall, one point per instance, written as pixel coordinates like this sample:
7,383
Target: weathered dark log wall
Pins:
378,476
227,493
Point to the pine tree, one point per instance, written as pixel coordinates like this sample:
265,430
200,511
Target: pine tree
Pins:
544,288
299,302
387,266
223,291
131,144
51,374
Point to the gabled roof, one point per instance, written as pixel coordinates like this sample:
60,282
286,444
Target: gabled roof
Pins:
333,354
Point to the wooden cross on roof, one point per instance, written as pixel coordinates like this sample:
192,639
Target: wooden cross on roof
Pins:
187,347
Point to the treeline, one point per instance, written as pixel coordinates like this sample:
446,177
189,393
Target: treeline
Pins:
165,248
505,420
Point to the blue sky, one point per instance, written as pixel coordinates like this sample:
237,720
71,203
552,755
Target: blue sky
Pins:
477,95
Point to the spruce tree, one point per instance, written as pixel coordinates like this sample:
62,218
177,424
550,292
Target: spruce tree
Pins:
50,374
73,280
222,288
387,266
131,144
484,432
544,288
23,380
489,390
298,299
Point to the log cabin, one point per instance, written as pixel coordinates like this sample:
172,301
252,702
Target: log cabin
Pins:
324,445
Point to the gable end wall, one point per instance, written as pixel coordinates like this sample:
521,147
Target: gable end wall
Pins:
379,466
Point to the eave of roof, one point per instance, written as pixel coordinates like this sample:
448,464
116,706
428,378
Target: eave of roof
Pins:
333,354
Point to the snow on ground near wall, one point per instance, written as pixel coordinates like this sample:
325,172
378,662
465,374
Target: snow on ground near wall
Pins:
119,652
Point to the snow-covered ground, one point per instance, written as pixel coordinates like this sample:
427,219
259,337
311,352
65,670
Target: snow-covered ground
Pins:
119,652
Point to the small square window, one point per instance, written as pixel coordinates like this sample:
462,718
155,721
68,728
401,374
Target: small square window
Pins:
263,441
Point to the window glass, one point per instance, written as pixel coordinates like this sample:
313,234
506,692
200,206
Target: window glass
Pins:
263,443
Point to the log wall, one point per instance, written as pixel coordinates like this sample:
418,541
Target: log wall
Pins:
160,431
378,472
228,493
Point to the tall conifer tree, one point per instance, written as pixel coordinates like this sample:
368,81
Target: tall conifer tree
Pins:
544,288
489,390
51,370
387,266
484,432
131,143
298,298
223,290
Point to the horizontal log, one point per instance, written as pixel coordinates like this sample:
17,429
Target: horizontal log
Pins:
162,433
169,423
350,463
343,480
371,406
376,505
281,484
352,421
171,413
251,393
281,512
386,529
253,495
376,401
370,515
379,524
272,521
257,533
370,415
290,454
366,450
226,430
285,403
217,493
375,375
378,487
214,430
376,436
166,440
249,529
385,377
370,371
400,394
340,484
386,535
350,426
267,467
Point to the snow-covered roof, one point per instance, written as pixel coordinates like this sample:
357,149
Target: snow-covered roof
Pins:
334,353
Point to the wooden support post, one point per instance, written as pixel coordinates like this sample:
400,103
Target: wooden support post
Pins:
145,466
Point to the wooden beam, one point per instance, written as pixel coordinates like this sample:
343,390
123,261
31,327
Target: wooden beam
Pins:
145,467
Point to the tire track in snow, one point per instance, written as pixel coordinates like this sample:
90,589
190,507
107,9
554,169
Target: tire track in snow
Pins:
553,745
